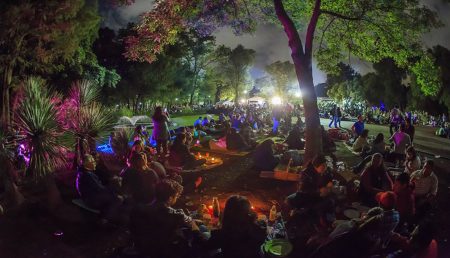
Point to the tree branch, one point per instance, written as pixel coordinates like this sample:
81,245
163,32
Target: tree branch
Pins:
325,30
311,29
295,43
341,16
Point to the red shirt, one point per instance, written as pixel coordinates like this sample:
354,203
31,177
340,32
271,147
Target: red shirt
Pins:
405,202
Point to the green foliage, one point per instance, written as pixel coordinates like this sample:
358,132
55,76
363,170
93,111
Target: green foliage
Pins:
235,67
427,75
284,75
440,102
37,117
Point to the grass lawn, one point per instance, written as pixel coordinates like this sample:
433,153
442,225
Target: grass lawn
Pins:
189,120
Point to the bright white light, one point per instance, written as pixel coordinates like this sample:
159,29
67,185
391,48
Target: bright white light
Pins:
176,99
276,100
242,101
245,91
298,94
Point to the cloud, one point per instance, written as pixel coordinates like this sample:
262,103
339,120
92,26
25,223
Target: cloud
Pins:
119,17
270,43
439,36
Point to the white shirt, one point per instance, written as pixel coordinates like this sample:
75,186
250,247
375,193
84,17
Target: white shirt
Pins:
424,185
414,165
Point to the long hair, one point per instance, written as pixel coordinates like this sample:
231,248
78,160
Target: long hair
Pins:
179,141
237,215
158,115
413,151
376,158
379,138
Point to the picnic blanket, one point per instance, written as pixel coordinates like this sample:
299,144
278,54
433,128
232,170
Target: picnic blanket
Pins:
338,134
205,167
350,148
281,173
220,151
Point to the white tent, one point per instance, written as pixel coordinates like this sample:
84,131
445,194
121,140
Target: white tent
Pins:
256,100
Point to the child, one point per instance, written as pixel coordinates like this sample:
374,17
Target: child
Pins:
405,197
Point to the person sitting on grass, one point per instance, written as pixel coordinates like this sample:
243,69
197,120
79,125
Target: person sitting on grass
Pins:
389,218
378,145
198,122
247,134
374,179
361,144
404,191
205,122
426,186
235,141
158,230
264,158
294,139
180,156
139,181
93,193
412,162
358,127
314,178
239,235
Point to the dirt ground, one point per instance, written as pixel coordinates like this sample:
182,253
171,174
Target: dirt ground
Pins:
32,232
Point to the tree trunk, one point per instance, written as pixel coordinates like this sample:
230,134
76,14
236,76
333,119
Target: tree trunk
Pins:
303,67
313,132
5,96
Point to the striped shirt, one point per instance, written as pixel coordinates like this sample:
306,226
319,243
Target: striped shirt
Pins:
424,185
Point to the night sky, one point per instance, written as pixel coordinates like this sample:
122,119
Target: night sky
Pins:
270,41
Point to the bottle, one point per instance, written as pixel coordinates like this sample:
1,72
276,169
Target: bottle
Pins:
289,165
216,207
273,214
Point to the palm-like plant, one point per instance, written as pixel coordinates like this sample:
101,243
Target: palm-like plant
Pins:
37,118
119,143
84,117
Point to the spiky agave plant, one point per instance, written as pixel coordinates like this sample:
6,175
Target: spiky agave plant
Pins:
83,116
37,118
119,143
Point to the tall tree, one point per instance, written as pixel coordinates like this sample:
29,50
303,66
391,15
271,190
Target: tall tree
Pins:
199,54
235,67
368,29
284,74
345,84
45,38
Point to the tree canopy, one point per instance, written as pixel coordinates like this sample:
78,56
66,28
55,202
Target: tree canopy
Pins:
369,30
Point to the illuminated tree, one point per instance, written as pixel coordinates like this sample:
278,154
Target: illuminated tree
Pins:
368,29
284,74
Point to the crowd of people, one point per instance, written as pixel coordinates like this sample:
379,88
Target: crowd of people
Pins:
401,197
